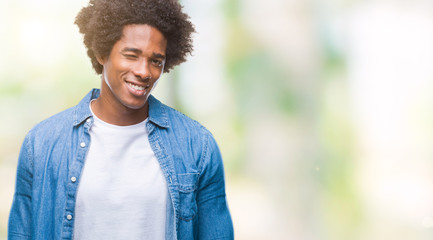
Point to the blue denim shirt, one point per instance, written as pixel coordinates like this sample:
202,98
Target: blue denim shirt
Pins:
53,154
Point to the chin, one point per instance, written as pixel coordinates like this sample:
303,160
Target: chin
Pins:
135,106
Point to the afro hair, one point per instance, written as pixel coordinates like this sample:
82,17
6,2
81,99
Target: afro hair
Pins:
102,21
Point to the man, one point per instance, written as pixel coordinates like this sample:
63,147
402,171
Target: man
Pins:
120,164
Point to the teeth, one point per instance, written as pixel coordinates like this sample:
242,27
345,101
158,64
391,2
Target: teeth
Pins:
136,87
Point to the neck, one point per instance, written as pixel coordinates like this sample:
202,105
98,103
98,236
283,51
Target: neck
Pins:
114,112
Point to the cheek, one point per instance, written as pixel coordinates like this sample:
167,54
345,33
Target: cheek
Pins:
156,72
156,75
117,71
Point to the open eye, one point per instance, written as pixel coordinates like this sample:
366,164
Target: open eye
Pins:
157,62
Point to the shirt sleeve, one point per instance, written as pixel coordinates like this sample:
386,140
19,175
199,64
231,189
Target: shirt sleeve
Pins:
214,220
20,217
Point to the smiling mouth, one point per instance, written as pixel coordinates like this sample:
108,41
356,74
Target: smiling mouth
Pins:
136,87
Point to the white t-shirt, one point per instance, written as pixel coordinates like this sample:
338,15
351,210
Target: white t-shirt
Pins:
122,192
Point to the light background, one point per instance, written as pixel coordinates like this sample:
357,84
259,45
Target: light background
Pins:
323,109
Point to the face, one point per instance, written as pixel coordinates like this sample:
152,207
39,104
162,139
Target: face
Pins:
133,67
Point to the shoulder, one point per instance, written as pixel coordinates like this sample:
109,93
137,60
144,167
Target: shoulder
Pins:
170,118
64,121
199,139
185,132
46,136
181,122
53,126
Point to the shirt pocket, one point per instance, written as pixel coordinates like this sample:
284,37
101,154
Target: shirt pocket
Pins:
187,195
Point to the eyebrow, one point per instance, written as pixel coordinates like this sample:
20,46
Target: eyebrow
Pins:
138,51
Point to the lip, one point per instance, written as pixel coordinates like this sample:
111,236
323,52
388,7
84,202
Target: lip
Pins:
135,92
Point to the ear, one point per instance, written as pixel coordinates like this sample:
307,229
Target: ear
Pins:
101,60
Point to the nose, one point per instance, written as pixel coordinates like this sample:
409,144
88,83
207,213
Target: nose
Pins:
141,70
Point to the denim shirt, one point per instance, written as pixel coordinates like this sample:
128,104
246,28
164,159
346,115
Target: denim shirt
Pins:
54,152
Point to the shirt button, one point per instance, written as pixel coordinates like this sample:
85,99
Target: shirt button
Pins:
82,144
73,179
69,217
88,120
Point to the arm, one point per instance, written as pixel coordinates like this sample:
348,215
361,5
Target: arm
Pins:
214,220
20,217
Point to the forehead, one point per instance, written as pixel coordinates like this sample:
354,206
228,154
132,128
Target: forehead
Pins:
143,37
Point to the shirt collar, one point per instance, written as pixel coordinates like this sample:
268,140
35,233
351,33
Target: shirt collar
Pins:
157,110
82,110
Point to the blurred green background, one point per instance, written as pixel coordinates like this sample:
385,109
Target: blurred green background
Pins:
323,109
